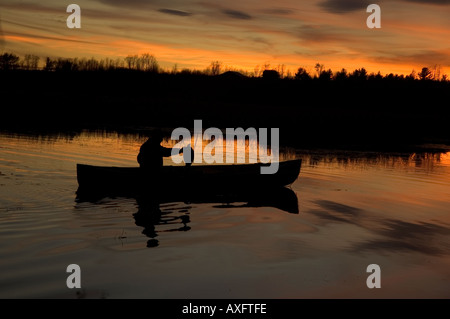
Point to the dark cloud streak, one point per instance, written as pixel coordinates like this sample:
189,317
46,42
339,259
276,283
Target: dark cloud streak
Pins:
322,34
175,12
423,57
237,14
34,36
32,27
346,6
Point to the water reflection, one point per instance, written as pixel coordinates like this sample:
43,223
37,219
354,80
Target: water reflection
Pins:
150,215
425,161
357,208
336,212
123,148
401,236
161,214
391,235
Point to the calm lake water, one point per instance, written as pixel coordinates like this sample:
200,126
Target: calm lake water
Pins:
354,209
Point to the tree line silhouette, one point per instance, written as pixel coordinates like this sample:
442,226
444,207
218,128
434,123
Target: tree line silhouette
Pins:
318,108
146,62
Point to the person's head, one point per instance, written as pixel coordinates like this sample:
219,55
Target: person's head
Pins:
155,136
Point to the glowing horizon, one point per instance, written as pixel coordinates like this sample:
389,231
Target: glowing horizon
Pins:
241,35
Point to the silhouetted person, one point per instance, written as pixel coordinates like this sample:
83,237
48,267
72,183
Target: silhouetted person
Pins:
152,152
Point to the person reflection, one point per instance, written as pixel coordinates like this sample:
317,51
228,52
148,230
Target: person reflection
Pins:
149,216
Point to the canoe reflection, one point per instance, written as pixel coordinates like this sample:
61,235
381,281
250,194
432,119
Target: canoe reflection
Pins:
158,215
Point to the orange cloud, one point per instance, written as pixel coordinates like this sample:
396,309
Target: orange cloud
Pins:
22,39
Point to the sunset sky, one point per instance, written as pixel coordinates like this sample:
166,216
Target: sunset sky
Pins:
241,34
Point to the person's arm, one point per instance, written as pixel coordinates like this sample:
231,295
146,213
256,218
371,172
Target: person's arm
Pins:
167,152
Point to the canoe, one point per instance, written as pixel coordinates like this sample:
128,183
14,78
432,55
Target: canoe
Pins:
184,179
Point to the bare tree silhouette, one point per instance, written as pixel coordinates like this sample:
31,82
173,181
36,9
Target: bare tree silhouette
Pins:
436,72
214,68
30,62
319,69
281,69
147,62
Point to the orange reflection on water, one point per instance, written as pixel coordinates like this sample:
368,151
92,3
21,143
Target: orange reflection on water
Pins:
115,149
445,159
223,151
408,186
354,209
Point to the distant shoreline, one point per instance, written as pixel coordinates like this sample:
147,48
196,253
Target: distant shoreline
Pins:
378,114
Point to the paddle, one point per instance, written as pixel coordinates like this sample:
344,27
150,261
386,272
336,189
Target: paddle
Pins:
188,150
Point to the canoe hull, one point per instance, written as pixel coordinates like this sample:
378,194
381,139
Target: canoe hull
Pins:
185,179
